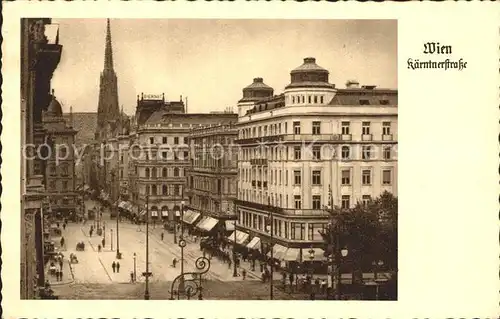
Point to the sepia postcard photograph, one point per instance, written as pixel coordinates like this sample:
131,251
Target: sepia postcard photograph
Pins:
237,189
154,159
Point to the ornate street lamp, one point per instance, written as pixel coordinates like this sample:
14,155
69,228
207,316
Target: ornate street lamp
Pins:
311,258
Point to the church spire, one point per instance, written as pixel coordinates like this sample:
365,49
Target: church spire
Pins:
108,53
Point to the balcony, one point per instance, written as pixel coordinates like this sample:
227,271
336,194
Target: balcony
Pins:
258,206
259,161
163,179
290,138
366,137
387,137
346,137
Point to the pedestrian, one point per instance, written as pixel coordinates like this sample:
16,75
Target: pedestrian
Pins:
57,224
117,266
99,248
195,238
229,262
131,276
244,273
113,265
104,228
103,241
90,232
60,263
290,277
64,226
60,275
62,242
174,262
323,287
162,236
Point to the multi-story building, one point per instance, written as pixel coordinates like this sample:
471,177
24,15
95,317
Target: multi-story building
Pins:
213,174
60,165
40,55
299,147
161,154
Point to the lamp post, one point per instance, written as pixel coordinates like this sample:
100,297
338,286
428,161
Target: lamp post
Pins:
111,236
118,254
311,258
182,244
135,268
235,270
175,223
147,274
271,231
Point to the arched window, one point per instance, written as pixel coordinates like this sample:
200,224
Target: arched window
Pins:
153,190
176,171
147,189
164,172
153,172
345,152
164,189
147,172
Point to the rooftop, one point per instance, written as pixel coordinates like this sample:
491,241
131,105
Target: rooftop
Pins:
309,65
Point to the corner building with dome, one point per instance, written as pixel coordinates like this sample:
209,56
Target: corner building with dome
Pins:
309,146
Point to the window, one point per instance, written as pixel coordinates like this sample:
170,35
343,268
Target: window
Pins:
164,172
65,185
176,172
366,177
387,152
53,170
153,189
366,199
345,152
346,177
176,140
386,128
121,173
286,127
164,155
321,100
148,189
153,173
298,202
296,128
279,128
164,140
309,99
52,184
286,178
298,231
186,155
345,128
364,102
176,190
186,140
316,177
316,127
316,202
151,140
293,99
366,128
297,152
313,231
315,99
147,172
164,189
384,102
316,153
386,177
297,177
346,201
366,152
64,170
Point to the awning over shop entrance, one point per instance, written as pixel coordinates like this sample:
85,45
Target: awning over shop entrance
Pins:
241,237
207,223
230,225
190,216
164,212
178,213
254,244
279,252
292,254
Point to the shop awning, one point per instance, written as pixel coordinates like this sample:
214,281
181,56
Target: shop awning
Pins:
86,187
122,205
190,216
254,244
177,213
279,252
129,207
207,223
154,213
230,225
142,212
292,254
241,237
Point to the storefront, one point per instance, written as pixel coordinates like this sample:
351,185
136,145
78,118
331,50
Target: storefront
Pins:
207,224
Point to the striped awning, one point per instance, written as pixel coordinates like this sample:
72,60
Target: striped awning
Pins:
189,216
178,213
154,213
142,212
254,244
241,237
279,252
207,223
164,213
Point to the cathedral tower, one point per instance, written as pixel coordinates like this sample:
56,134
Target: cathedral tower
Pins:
107,108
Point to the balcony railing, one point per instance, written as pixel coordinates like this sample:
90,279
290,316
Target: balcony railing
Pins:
366,137
346,137
259,161
290,138
387,137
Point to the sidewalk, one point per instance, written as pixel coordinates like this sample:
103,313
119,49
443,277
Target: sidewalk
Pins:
67,277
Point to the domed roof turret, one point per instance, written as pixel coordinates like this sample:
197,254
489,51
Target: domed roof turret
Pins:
257,90
309,74
309,65
54,108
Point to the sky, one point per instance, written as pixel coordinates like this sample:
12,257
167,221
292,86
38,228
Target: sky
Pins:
211,61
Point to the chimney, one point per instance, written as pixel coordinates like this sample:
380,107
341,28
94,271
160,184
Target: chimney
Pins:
352,84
